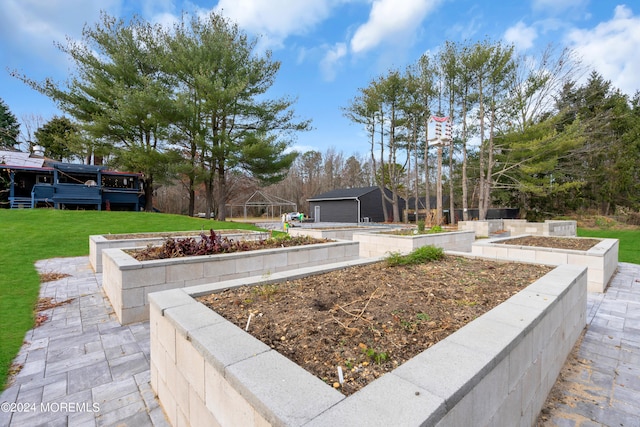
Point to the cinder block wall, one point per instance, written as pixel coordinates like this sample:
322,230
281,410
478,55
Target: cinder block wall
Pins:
520,226
495,371
127,282
97,243
375,245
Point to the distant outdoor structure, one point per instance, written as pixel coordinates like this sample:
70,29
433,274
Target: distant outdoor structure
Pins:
28,181
352,205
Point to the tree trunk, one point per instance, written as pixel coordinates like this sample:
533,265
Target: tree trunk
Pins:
482,213
192,196
465,180
208,186
427,193
452,214
439,187
221,191
148,194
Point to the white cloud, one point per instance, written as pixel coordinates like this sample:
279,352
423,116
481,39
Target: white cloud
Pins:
521,36
29,28
332,60
390,20
611,49
275,20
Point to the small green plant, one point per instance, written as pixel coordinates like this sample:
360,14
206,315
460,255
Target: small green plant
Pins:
376,356
423,317
349,364
408,325
265,291
420,225
417,256
435,229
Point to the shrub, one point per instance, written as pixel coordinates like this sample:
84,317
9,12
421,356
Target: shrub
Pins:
418,256
435,229
420,225
208,244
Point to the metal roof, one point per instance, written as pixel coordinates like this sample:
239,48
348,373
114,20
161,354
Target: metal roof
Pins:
343,194
20,159
77,168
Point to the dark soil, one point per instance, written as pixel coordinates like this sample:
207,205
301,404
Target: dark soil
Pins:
167,234
216,244
581,244
370,319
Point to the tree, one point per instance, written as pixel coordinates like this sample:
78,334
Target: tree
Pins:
537,82
354,174
389,95
534,173
9,127
116,94
603,162
235,126
426,75
200,86
365,109
465,81
55,137
29,124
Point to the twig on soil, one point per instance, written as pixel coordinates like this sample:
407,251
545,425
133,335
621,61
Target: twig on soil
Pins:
359,316
348,328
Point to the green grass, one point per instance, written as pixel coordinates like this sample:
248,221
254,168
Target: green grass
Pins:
30,235
629,249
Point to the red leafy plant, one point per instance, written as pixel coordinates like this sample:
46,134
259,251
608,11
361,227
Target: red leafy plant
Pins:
213,243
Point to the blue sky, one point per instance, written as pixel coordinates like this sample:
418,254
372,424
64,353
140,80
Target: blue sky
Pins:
330,48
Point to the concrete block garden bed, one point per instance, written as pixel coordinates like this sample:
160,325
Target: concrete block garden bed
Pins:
516,227
496,370
127,281
341,233
601,260
97,243
374,245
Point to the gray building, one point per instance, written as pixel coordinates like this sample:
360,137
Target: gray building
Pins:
351,205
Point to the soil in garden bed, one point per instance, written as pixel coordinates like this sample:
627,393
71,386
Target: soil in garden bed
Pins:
215,243
370,319
167,234
553,242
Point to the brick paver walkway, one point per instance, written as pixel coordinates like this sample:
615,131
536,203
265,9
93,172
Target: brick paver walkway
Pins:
603,386
81,367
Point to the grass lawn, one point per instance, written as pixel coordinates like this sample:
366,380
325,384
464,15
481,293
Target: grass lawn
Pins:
629,250
30,235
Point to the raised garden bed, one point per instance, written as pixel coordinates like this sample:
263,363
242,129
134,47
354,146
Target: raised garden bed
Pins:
514,227
340,233
127,281
381,316
99,242
497,369
600,256
376,245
